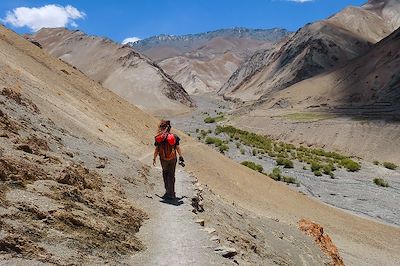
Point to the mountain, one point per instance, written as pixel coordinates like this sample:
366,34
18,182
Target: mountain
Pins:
187,43
354,108
312,50
76,184
203,62
368,85
119,68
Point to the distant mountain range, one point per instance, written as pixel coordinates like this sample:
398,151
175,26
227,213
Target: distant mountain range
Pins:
185,43
203,62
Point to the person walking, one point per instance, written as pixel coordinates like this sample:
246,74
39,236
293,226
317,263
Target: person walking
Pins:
167,147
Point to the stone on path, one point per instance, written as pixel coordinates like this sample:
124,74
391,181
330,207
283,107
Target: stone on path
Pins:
209,230
226,252
200,222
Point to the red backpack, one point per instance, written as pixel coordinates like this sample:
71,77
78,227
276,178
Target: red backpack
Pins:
166,146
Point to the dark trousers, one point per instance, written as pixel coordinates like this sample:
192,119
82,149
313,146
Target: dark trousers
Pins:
168,168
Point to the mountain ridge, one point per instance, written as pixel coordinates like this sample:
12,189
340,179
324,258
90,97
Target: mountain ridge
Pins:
118,67
203,62
312,50
237,32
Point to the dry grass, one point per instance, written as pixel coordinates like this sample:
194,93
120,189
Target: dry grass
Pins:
304,117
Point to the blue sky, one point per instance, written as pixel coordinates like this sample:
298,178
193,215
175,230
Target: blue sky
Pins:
121,19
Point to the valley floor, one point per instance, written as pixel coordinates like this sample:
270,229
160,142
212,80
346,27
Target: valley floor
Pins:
351,191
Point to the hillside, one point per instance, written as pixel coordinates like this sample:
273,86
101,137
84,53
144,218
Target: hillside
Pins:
314,49
370,80
203,62
73,151
353,109
118,68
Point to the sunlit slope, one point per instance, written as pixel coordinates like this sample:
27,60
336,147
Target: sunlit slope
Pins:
85,108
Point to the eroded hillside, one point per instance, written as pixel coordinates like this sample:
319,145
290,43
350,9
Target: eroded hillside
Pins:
314,49
78,148
203,62
118,68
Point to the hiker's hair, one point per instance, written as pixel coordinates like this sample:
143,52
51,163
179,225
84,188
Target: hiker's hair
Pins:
164,125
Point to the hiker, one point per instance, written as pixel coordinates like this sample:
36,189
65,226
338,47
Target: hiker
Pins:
167,145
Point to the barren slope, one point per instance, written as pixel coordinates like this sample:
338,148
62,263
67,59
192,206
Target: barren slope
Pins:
118,68
314,49
71,181
368,85
76,104
203,62
367,88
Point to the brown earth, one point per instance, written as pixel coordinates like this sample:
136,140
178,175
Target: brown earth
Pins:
316,231
358,105
117,67
203,62
89,119
312,50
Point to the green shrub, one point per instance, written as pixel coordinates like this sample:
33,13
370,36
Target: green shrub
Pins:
212,140
289,180
209,120
328,169
381,182
350,165
272,154
376,162
203,133
237,145
315,166
254,152
252,165
304,167
285,162
242,151
390,165
197,130
223,148
276,174
317,173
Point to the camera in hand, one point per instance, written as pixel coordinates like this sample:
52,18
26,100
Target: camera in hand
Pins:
181,161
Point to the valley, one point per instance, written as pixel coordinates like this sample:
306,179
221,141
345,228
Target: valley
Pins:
291,142
351,191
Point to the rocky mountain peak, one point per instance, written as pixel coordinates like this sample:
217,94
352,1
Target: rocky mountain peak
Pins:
183,42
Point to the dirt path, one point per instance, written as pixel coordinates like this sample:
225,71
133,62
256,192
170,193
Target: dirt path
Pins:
171,235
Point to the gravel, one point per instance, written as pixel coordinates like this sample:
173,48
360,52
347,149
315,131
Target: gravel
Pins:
351,191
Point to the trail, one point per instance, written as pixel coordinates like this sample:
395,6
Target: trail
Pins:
171,235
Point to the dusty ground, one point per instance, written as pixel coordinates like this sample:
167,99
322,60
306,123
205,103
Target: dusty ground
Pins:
73,191
97,121
66,200
59,201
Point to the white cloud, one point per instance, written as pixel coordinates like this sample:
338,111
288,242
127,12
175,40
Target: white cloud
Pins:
131,39
49,16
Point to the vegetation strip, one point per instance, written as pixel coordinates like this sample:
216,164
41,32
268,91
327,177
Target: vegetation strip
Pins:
320,161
